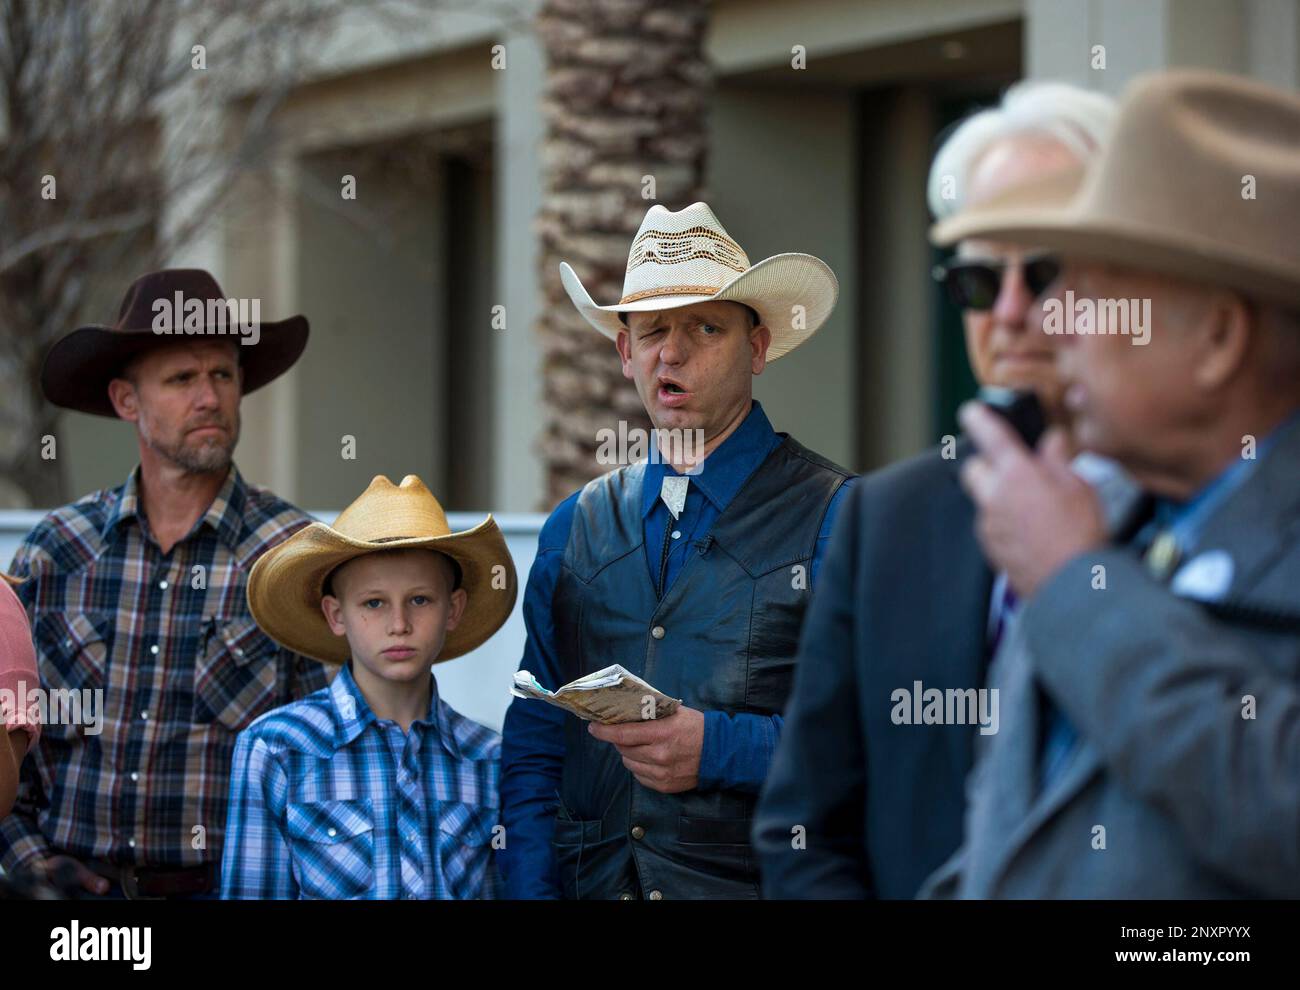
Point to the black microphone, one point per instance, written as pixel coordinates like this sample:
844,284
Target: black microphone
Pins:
1020,408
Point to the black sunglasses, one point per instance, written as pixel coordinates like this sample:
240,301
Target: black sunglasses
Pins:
975,283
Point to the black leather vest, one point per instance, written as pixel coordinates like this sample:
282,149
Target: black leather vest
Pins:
724,637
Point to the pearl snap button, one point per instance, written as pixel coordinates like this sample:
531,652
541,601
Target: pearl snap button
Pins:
657,632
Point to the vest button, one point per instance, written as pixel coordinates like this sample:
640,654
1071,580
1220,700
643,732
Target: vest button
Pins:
657,632
656,895
638,832
625,896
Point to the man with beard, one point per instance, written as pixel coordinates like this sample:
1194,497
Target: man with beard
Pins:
136,598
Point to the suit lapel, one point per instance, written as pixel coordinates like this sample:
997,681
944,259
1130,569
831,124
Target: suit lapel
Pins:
1010,778
957,552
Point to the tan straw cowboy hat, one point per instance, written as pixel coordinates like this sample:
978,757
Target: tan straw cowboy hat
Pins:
1200,180
286,584
687,257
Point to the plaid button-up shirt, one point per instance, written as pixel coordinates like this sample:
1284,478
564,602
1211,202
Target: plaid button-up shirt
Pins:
328,801
164,648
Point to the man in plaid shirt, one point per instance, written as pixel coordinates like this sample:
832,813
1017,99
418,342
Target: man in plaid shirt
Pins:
136,596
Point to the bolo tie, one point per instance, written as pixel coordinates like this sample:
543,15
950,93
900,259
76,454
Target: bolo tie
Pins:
673,494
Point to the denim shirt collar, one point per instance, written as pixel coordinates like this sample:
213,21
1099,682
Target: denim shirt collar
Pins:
352,713
724,472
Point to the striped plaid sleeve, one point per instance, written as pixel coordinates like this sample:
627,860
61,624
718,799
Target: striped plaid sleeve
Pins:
309,675
494,888
22,844
256,863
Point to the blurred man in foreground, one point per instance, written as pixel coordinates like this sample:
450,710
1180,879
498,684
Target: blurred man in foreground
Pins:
1150,742
910,604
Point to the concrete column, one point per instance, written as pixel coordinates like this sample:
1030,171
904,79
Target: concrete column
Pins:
517,469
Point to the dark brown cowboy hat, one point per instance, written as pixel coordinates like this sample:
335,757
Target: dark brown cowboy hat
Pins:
79,366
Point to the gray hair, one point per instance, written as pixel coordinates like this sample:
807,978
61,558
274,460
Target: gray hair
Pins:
1079,119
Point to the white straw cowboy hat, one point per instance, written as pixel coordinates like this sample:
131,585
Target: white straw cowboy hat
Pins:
286,584
1166,192
687,257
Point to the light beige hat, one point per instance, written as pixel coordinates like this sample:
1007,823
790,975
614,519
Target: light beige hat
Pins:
286,584
687,257
1200,180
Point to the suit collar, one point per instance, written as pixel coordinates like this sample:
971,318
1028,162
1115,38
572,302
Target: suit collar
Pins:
724,472
1252,520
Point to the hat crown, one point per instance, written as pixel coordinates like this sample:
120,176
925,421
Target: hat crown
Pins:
1207,158
386,512
686,252
137,309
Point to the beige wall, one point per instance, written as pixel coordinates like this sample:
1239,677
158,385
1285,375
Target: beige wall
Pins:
377,334
781,171
868,370
1259,38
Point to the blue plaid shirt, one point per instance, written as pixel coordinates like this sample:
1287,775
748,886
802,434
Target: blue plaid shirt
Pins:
166,640
328,801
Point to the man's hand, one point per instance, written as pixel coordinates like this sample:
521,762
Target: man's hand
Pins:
1034,513
65,870
664,753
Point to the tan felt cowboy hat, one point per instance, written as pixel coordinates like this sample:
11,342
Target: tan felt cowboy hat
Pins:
1200,180
687,257
80,365
286,584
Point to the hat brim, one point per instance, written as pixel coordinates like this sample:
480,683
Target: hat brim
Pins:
1052,215
285,587
80,365
792,293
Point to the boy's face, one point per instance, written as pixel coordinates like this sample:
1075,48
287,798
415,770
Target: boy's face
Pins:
395,610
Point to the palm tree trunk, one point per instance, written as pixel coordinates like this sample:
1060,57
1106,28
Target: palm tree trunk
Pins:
626,90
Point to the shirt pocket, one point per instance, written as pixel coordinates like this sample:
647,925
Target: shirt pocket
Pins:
332,844
236,675
73,649
465,834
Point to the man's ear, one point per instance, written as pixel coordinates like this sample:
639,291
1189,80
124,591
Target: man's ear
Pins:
126,400
333,611
623,343
1229,329
760,339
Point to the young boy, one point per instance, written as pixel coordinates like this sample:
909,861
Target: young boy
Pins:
372,787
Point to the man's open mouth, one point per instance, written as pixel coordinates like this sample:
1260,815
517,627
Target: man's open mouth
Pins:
671,387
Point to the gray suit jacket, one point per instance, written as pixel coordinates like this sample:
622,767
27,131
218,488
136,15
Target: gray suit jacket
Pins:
1195,800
